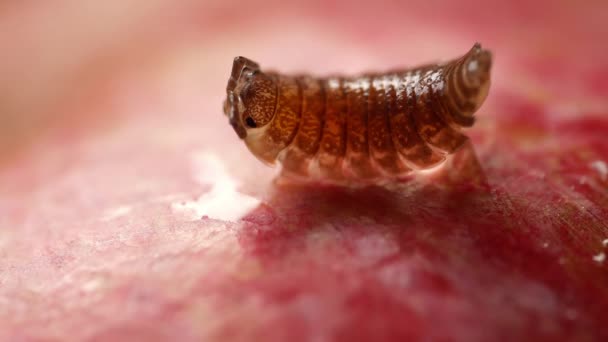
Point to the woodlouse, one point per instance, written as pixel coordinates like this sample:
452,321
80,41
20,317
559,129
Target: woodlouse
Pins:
362,128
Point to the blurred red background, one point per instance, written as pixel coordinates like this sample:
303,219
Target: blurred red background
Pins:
113,146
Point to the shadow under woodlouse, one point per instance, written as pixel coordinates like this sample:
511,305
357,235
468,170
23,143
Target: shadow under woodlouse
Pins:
296,210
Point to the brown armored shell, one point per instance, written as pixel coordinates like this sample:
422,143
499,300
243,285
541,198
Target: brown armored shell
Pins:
363,128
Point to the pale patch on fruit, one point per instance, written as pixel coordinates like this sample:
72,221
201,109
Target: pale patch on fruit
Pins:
3,238
605,243
114,213
571,314
374,247
222,201
601,168
247,270
92,284
599,258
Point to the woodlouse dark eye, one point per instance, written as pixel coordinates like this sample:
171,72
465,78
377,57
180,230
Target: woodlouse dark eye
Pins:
250,122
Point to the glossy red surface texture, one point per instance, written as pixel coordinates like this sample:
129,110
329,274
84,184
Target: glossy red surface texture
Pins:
129,209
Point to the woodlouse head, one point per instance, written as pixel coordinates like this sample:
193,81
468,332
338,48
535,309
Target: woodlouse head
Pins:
250,97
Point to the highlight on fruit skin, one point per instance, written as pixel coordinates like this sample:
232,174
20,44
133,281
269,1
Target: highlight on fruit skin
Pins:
362,128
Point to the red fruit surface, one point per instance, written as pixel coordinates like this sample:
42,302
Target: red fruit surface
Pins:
129,209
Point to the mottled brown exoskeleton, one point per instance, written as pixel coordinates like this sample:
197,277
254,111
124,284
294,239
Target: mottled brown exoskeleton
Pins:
361,128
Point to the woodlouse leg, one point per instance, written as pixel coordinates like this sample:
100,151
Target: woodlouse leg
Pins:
463,168
295,161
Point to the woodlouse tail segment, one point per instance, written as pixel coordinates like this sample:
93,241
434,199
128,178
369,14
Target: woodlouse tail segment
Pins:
476,74
469,83
477,66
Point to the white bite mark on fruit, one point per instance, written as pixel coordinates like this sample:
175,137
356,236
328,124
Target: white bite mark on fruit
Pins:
601,168
599,258
374,247
223,201
115,213
92,285
3,238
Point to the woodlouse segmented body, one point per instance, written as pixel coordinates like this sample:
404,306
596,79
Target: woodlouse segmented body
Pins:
359,128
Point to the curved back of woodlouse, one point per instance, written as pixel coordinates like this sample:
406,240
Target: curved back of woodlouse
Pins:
360,128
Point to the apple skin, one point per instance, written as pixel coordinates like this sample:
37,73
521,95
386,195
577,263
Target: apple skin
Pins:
129,209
